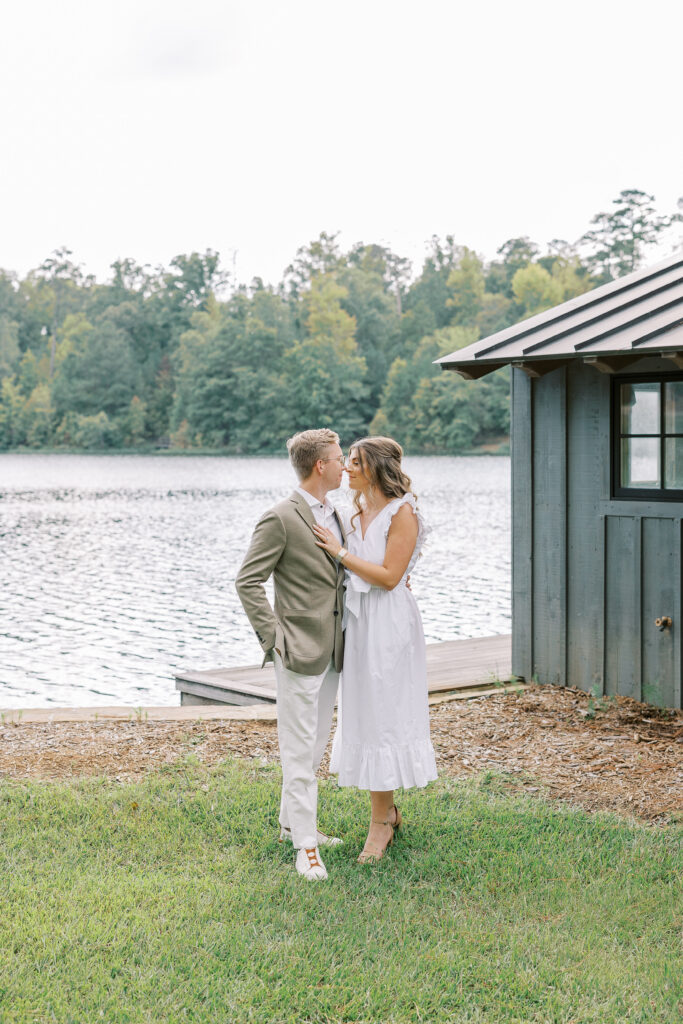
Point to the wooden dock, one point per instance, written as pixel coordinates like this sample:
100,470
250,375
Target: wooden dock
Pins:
455,668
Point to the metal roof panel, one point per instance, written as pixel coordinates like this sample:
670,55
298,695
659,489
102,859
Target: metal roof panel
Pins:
612,317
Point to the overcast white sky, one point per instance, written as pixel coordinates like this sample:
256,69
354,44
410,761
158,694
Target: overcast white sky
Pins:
146,129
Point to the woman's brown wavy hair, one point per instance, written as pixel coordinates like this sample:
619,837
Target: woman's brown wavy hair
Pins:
380,460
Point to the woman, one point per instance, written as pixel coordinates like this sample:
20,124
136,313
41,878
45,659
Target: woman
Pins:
382,740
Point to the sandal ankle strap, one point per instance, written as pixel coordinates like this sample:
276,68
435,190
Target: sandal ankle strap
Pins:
387,822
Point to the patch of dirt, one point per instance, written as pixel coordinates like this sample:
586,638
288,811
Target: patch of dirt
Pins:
624,757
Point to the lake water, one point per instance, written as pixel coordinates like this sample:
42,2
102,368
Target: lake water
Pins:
118,570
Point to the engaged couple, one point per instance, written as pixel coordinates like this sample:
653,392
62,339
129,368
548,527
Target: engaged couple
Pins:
343,610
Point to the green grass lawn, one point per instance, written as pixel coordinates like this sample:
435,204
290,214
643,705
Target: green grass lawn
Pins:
171,900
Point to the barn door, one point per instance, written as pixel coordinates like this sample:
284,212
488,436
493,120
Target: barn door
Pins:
642,584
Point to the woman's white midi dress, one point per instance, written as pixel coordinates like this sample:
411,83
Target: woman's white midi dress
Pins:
382,739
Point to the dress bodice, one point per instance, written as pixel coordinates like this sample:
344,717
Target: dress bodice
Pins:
372,547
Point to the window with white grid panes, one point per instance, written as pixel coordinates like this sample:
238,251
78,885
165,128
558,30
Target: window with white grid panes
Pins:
647,448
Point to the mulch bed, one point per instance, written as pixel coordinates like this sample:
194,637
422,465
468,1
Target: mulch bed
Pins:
622,756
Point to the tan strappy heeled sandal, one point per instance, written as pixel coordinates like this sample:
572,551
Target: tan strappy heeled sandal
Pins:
371,853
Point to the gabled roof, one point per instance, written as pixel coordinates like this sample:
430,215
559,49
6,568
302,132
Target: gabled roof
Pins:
613,325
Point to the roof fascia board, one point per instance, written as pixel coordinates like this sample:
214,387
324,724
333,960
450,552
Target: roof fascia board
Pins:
473,371
538,367
611,364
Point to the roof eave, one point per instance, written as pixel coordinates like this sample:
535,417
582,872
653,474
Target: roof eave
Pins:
605,362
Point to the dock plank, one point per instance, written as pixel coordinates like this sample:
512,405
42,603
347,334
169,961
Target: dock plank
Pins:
125,713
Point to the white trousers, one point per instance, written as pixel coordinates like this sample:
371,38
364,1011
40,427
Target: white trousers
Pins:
305,706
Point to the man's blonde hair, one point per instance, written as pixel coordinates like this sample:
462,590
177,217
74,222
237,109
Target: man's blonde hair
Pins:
307,447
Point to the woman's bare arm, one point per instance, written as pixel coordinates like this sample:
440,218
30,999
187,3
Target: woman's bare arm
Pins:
401,542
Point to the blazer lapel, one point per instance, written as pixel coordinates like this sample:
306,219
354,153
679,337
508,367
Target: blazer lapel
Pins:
303,508
306,513
341,528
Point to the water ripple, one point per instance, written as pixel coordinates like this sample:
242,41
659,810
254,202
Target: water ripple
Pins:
118,571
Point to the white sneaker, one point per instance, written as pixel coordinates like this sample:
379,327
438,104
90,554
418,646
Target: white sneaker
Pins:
310,866
323,840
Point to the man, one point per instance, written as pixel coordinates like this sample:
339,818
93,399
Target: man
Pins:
303,633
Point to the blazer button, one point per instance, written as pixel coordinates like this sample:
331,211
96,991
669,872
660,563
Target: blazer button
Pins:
336,612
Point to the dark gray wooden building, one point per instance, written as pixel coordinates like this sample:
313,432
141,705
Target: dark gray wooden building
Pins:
597,485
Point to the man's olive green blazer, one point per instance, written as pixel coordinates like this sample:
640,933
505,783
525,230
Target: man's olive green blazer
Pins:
306,625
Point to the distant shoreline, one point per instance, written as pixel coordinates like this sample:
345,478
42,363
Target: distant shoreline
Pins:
498,448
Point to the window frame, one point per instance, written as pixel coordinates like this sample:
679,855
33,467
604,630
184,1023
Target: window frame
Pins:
640,493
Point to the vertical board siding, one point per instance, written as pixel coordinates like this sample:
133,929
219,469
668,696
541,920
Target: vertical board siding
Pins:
678,625
589,573
661,587
522,441
588,439
623,601
550,528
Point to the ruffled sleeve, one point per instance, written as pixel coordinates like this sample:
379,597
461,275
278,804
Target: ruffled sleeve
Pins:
423,530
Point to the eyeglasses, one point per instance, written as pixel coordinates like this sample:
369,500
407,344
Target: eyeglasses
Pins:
338,458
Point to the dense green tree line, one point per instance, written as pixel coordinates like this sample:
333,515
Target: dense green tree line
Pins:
348,339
